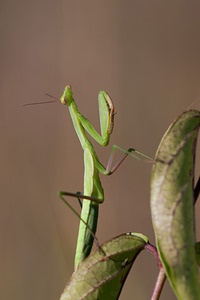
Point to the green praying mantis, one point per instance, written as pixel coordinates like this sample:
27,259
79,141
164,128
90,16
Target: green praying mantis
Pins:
93,192
92,184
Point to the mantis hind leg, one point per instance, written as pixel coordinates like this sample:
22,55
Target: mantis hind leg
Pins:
61,194
87,227
79,200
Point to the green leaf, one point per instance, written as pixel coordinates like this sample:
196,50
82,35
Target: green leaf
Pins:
103,273
172,204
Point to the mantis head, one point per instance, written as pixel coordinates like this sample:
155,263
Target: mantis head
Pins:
66,97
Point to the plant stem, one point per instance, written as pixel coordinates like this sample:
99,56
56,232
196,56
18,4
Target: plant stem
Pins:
159,284
161,275
151,248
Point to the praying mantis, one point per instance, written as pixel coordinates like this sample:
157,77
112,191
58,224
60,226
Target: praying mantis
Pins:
93,192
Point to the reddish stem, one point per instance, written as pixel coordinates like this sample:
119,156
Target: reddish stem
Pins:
161,275
159,284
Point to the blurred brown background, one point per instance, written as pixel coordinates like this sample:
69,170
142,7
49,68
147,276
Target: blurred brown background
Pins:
146,55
